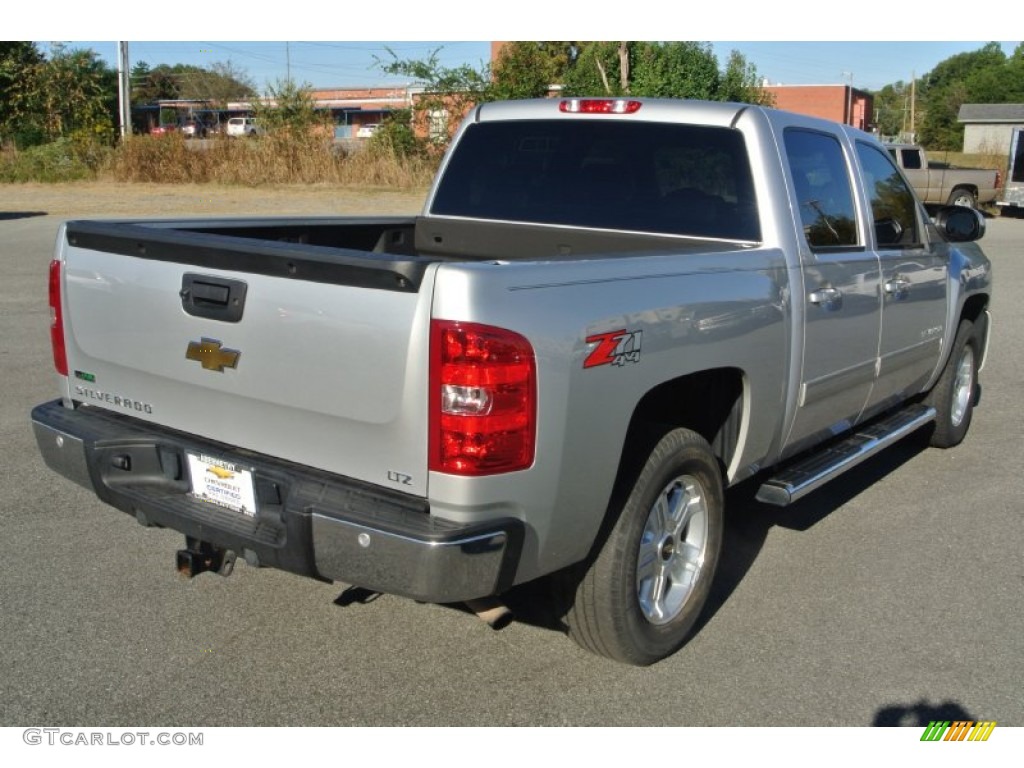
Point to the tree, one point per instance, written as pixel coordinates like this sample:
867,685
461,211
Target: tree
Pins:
290,108
151,85
947,87
892,109
597,69
448,93
18,62
220,83
681,70
685,70
527,70
676,70
741,83
73,91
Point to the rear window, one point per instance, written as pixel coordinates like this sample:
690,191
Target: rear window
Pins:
605,174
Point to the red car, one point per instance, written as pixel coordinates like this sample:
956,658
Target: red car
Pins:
163,130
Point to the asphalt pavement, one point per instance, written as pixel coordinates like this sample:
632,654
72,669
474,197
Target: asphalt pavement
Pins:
892,596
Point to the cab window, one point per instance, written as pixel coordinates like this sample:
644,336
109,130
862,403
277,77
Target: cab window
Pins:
893,206
824,194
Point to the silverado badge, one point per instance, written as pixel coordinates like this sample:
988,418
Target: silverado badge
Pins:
211,355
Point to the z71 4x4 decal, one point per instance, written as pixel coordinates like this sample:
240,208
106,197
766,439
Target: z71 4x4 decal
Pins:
614,348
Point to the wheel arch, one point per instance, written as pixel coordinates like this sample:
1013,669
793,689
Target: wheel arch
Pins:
975,309
710,403
967,187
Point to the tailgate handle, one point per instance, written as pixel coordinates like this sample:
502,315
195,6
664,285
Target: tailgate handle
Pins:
213,298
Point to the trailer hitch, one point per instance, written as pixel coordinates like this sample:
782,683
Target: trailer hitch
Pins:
200,556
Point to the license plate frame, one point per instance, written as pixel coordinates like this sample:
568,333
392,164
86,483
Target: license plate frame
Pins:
226,484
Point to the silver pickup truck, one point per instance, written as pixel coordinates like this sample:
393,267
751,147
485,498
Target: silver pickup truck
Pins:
608,311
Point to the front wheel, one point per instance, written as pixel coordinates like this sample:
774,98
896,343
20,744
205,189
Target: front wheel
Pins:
643,592
954,393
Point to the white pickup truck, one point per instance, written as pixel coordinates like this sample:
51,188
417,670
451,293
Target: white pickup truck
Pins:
609,310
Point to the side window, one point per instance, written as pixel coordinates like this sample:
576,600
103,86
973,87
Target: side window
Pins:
822,183
911,159
893,206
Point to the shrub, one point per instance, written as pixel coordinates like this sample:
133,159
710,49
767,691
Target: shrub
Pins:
66,159
395,138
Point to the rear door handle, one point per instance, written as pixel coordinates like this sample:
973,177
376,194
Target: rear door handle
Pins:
829,298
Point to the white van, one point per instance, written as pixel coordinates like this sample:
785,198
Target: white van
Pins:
244,126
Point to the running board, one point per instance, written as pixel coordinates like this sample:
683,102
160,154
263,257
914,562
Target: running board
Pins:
797,480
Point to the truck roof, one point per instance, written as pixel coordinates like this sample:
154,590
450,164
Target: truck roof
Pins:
695,111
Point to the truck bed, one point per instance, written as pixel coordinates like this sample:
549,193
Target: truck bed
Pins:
386,253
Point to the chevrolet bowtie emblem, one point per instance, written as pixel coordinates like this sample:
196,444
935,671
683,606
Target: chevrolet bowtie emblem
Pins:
209,353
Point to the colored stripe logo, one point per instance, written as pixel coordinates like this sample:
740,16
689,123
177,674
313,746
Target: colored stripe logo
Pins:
958,730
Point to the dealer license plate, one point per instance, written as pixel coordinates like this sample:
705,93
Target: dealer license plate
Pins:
223,483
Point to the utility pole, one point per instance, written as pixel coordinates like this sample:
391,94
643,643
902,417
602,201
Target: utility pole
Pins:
913,105
124,90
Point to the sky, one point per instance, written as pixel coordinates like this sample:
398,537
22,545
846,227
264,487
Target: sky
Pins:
782,39
325,64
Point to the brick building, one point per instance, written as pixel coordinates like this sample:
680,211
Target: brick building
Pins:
841,103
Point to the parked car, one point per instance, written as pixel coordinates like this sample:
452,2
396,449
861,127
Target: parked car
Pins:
164,129
194,129
244,126
366,131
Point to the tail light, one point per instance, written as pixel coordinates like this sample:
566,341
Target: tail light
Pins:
483,399
60,355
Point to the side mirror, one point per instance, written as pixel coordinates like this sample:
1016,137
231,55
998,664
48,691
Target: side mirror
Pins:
960,224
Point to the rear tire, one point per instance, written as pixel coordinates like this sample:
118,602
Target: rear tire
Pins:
954,393
963,197
643,592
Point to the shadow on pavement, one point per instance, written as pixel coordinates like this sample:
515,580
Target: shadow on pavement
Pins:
544,602
747,524
921,714
11,215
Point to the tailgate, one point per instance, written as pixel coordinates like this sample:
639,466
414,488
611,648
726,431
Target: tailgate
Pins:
310,356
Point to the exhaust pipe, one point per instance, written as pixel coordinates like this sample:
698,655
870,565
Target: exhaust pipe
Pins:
492,610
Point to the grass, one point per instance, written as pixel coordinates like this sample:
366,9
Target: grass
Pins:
59,161
276,159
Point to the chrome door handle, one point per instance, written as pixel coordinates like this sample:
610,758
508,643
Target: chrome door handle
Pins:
898,288
829,298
